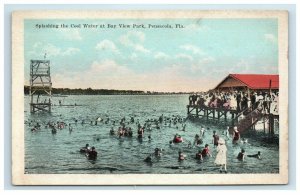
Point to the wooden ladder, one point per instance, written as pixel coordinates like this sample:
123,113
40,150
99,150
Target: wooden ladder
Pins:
250,119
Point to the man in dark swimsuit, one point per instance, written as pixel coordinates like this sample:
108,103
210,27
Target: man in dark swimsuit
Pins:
92,154
215,138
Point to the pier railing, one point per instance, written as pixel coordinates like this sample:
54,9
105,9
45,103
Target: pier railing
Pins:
220,114
244,119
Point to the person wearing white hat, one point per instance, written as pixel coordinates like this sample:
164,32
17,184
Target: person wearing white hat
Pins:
221,157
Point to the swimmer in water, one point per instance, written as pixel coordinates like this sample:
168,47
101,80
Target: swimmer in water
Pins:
148,159
199,155
258,155
241,155
70,128
92,154
112,131
86,148
244,141
157,152
181,156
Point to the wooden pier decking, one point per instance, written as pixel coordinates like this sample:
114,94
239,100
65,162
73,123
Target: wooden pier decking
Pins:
35,107
211,113
232,117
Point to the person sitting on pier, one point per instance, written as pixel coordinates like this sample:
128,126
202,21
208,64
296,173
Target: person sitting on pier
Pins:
92,154
215,139
190,100
258,155
241,155
199,155
194,99
205,152
236,135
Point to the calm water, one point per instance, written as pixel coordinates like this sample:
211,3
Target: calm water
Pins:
59,153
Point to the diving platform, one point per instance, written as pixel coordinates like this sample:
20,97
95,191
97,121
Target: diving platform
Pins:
40,86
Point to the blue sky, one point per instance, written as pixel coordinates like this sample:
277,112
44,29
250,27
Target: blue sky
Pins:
194,58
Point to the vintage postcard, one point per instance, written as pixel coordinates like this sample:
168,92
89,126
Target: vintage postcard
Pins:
149,97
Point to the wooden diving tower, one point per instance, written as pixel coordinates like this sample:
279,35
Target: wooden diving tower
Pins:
40,86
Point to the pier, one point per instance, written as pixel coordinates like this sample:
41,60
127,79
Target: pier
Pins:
244,120
239,100
215,114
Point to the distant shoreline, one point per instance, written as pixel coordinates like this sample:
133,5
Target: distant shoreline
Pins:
89,91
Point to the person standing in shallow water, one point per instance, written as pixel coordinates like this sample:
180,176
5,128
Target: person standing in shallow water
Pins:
215,139
221,158
236,135
226,133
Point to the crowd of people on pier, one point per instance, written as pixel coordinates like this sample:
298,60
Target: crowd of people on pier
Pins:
237,100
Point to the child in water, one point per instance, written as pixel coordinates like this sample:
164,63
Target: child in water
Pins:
199,155
181,156
236,135
205,152
241,155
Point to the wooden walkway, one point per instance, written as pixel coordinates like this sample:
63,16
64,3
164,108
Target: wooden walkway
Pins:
40,107
231,117
216,114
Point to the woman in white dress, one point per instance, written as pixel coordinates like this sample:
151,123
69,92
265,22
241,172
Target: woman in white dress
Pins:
221,158
233,103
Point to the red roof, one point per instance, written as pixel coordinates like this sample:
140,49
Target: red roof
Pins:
258,81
